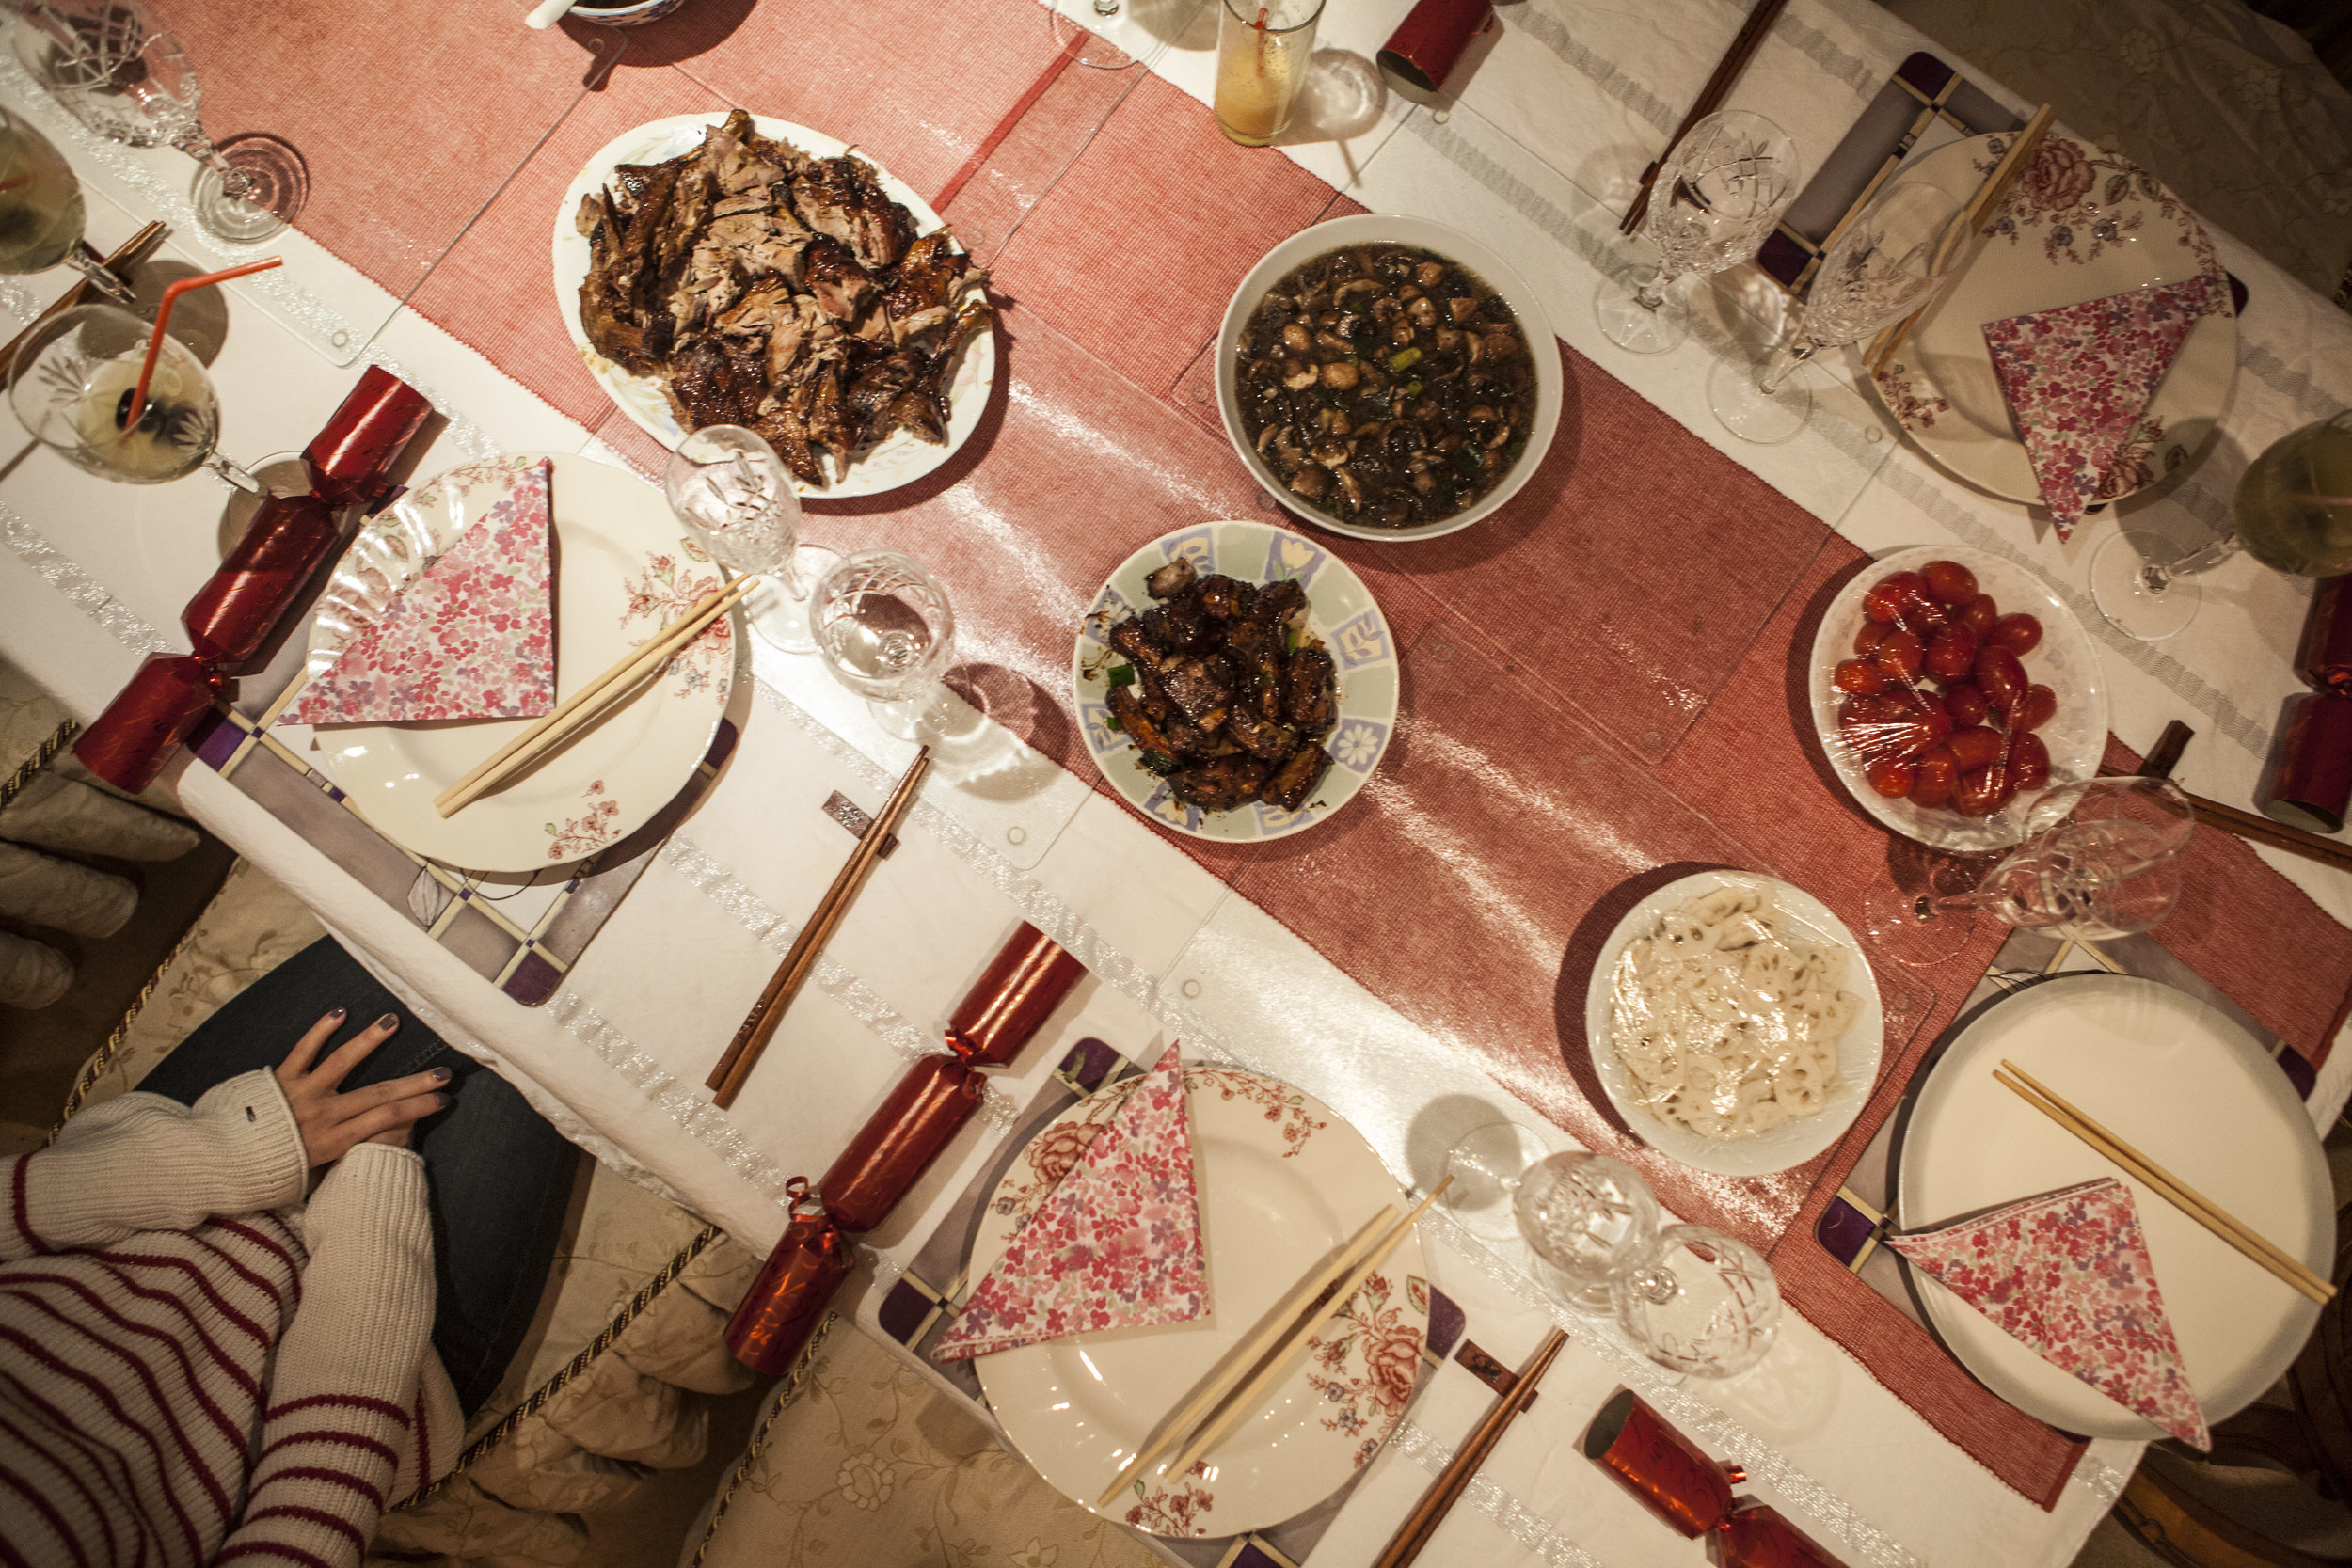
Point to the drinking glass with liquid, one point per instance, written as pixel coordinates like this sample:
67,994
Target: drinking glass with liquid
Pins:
73,384
1262,53
41,213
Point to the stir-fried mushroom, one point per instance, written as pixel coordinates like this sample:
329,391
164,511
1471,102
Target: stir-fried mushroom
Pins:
1225,689
1386,384
766,287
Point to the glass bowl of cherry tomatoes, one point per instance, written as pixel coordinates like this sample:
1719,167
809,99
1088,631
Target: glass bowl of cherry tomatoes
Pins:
1950,687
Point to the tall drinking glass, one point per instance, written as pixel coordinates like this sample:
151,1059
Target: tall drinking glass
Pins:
71,386
41,213
2292,512
1264,48
1713,203
729,487
886,631
1889,262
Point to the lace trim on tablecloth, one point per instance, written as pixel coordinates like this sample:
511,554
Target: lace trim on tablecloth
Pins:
1512,1516
62,573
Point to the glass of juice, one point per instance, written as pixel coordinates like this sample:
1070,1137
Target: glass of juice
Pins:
1262,53
2292,512
72,384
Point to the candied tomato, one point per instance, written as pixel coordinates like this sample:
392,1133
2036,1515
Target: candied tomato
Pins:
1950,582
1867,637
1953,654
2036,706
1937,776
1966,704
1900,654
1859,676
2028,761
1999,676
1893,777
1975,747
1890,594
1984,791
1980,614
2020,634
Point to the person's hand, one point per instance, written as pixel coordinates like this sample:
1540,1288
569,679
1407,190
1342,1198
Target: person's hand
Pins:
330,1121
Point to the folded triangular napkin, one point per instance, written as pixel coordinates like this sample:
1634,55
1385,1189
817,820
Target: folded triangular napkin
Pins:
1115,1245
472,636
2067,1275
2079,379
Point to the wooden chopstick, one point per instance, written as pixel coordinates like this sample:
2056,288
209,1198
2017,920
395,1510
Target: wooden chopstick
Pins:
1252,1350
1246,1399
1744,47
131,250
2174,1191
1987,203
742,1053
2256,828
591,702
1422,1523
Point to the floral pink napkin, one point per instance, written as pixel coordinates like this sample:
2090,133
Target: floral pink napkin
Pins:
2078,380
1115,1245
472,636
2067,1275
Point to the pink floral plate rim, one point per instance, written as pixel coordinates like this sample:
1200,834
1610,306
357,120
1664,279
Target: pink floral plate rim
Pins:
1317,1176
622,572
2082,223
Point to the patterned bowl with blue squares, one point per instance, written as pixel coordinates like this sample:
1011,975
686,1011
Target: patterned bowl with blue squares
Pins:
1340,611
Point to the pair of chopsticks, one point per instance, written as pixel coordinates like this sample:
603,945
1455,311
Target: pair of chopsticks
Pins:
1266,1354
1744,47
1422,1523
2251,826
131,251
2179,1193
742,1053
591,702
1981,211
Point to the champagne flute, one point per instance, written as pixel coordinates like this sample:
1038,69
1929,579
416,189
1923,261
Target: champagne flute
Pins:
71,386
733,492
886,629
1892,258
2292,512
41,213
124,77
1718,197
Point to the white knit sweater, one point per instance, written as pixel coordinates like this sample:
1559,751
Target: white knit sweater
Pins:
196,1368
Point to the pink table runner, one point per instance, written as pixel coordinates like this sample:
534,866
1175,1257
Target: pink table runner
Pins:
1601,685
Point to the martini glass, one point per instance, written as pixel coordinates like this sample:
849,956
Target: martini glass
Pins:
41,213
71,386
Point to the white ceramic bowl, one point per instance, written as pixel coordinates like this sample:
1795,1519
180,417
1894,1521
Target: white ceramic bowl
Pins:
1451,244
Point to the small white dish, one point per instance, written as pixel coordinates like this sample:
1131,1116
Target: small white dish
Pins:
1802,918
1451,244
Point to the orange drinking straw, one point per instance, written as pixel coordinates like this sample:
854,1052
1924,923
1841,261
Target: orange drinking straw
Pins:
163,318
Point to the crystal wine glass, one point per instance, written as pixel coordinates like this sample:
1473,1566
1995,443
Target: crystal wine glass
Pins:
1890,261
732,491
122,75
884,628
41,213
1699,1303
2102,859
1712,204
1584,1215
71,386
2292,512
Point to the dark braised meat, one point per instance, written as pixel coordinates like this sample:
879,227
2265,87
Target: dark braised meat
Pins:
765,288
1224,688
1387,385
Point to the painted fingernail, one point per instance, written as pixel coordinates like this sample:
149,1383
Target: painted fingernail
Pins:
337,1013
390,1021
441,1075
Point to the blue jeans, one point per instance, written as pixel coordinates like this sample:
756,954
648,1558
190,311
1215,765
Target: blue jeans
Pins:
499,1175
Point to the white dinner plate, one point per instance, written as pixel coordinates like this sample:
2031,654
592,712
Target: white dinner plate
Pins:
622,572
2067,662
898,459
1802,918
2189,1089
1340,610
1451,244
2082,224
1284,1184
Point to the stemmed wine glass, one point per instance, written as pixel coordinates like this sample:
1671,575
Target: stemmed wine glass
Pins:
1713,203
2101,859
884,628
1584,1216
71,386
2293,511
41,213
1698,1303
734,494
124,77
1889,262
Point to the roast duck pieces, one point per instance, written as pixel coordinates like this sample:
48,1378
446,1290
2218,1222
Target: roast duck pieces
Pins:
765,288
1231,692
